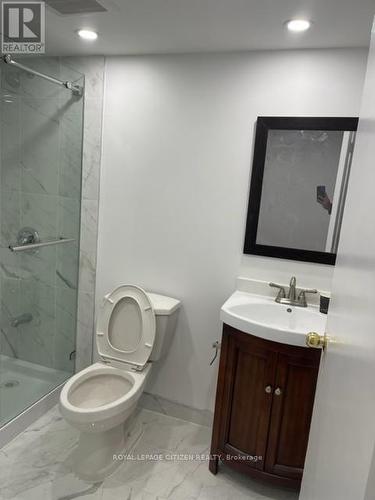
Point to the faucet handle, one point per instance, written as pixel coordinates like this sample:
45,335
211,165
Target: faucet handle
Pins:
281,289
308,290
302,295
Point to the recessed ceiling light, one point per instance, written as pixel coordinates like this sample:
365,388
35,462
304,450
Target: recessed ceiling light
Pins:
298,25
87,34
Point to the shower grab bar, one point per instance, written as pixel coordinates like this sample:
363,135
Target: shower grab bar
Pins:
34,246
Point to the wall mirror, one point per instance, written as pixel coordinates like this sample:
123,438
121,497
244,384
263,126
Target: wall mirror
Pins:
299,181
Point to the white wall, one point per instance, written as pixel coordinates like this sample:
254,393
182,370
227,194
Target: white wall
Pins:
177,152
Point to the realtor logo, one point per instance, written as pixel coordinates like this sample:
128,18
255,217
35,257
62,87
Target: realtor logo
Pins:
23,27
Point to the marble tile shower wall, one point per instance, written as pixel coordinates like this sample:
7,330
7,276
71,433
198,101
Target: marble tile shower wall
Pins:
93,69
40,186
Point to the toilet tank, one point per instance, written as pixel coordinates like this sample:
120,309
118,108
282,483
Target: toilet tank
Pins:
166,312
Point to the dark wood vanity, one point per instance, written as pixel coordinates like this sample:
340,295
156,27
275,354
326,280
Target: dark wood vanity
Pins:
264,402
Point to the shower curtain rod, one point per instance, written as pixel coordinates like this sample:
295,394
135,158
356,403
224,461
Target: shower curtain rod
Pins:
73,87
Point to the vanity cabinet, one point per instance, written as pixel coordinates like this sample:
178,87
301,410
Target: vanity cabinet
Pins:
264,401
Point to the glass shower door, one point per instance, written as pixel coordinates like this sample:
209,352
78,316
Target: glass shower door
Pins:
40,193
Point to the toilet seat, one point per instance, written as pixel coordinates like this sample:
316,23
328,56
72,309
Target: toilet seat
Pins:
97,374
126,326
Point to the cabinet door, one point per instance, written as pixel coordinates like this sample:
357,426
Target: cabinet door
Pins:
293,401
247,397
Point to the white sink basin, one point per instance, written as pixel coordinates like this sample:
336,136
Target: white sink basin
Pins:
263,317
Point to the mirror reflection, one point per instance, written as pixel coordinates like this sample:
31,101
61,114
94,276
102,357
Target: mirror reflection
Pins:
304,182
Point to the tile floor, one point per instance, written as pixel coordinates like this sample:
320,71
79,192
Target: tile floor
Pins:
34,466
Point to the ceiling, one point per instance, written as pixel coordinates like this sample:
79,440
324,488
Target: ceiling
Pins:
175,26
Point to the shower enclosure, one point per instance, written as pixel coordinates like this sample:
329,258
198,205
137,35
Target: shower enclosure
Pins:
41,118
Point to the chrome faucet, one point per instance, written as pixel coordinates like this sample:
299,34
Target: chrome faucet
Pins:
294,297
292,289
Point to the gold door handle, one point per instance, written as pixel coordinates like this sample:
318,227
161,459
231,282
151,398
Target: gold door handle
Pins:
316,341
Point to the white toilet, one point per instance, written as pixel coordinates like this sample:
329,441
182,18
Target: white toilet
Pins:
133,328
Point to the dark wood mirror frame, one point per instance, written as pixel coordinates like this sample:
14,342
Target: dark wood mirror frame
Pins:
263,125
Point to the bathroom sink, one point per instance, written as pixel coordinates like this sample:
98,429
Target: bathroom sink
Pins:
261,316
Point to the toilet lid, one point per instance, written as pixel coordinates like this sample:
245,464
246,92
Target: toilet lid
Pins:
126,326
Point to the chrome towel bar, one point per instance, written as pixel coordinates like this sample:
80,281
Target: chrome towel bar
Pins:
35,246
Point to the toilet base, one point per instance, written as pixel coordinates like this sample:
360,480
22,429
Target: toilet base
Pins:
99,454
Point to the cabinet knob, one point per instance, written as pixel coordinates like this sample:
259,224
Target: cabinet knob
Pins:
278,391
268,389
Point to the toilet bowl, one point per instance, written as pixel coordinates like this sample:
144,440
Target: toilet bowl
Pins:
132,330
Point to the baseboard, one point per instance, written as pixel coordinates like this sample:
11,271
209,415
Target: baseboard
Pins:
177,410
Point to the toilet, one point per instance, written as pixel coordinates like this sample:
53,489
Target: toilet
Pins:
134,329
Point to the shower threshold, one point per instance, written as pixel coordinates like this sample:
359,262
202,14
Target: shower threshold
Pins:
27,390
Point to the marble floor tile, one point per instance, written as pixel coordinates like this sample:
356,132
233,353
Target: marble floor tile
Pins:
161,405
35,466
